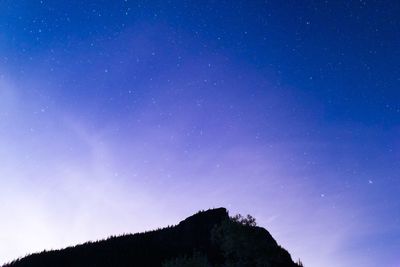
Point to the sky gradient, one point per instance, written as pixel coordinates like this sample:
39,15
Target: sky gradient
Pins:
124,116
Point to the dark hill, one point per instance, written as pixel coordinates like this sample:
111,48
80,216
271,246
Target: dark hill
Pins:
208,238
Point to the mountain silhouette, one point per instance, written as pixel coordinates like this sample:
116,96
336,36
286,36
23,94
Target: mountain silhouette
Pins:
206,239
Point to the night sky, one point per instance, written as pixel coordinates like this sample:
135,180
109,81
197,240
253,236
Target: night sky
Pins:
123,116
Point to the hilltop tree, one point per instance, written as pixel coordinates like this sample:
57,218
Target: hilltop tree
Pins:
243,244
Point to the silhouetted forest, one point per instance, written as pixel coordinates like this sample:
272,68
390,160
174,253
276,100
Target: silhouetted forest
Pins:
208,238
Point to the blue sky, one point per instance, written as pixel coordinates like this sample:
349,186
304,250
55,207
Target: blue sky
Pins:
122,116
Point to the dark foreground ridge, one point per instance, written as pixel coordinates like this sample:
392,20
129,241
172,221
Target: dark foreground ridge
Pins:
207,239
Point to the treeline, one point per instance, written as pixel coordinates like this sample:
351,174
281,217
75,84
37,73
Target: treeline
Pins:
207,239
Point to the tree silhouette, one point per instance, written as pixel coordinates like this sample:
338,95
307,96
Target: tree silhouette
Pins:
196,260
